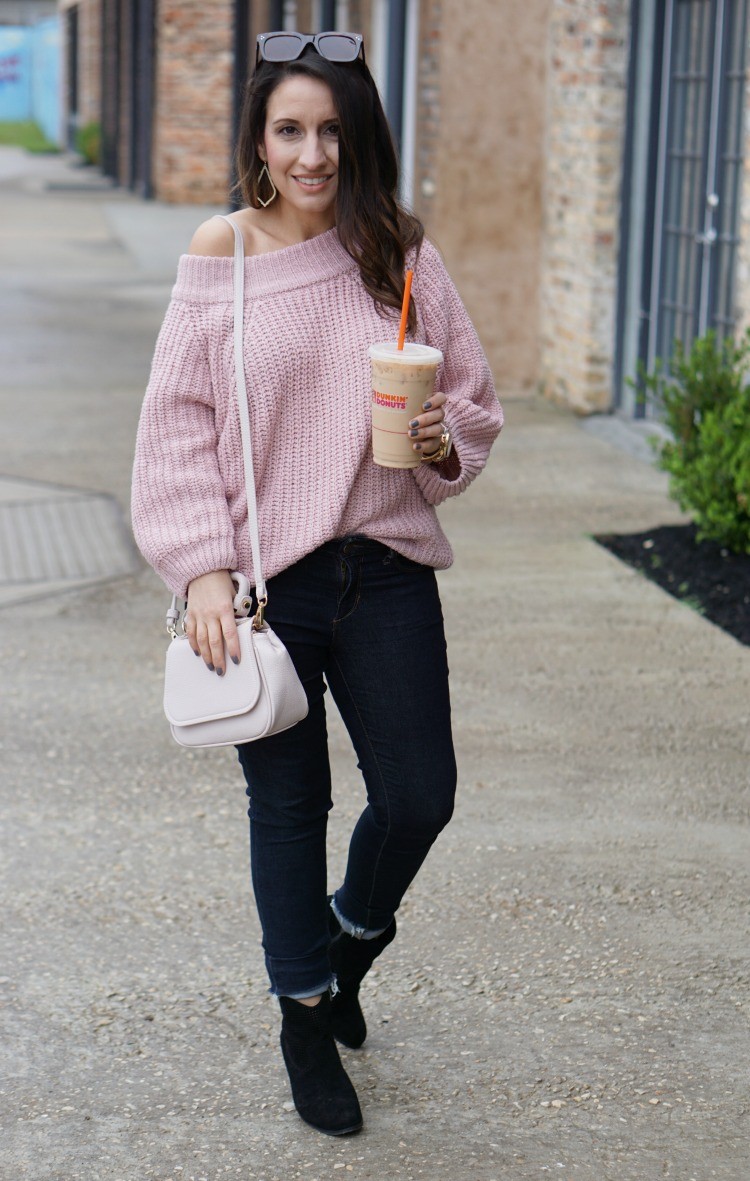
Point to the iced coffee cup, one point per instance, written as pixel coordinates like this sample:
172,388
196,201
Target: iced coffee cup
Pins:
402,380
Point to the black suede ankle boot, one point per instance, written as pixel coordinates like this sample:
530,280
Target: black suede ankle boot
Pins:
351,960
322,1090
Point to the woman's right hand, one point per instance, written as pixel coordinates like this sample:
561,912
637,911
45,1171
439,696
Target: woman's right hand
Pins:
209,620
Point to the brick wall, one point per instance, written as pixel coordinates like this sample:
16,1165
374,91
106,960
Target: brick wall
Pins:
193,101
587,74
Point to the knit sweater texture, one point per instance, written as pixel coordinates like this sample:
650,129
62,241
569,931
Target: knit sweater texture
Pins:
307,326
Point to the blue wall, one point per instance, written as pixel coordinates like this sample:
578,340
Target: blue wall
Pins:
30,76
15,74
46,57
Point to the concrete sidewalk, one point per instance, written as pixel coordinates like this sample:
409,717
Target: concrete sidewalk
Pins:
568,995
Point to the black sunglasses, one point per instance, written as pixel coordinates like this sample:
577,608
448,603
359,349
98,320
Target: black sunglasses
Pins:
287,46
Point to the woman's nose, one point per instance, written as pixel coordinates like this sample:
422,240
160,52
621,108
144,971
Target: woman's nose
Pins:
312,154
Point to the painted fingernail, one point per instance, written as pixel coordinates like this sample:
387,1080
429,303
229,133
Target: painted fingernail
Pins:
417,446
413,434
414,422
427,405
235,660
220,672
195,651
210,668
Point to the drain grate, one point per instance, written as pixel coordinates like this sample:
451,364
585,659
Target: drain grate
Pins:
52,535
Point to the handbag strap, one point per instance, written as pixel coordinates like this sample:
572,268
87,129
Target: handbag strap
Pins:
173,614
247,448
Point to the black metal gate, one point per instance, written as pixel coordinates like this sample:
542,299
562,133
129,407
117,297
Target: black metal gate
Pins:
111,16
128,71
141,70
695,175
72,80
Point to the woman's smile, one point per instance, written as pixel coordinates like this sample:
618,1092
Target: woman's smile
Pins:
313,183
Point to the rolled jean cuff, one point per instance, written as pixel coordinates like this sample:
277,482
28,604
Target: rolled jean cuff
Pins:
303,996
352,929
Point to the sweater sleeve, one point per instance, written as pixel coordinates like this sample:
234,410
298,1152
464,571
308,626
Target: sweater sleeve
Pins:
180,515
472,411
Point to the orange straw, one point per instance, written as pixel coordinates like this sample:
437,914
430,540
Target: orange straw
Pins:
405,310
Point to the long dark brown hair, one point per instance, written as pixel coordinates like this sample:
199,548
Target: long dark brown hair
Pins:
372,226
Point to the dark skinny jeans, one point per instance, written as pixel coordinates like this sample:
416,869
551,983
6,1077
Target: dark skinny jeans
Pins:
368,621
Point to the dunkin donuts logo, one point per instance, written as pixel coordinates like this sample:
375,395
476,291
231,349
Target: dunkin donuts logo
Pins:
389,401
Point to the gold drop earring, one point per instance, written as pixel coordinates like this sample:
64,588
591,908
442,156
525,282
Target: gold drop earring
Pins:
263,170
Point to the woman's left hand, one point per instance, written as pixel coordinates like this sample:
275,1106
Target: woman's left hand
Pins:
426,429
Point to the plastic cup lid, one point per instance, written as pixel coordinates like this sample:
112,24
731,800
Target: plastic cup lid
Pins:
389,351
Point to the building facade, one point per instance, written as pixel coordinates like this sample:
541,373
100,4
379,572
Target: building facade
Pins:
580,163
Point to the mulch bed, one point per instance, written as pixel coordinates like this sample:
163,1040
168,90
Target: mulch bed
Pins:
703,574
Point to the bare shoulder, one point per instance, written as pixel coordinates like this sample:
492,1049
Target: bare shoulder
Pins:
213,238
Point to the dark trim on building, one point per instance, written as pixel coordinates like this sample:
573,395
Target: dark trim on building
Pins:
327,16
144,85
394,94
241,68
111,86
626,201
650,196
131,71
72,79
128,92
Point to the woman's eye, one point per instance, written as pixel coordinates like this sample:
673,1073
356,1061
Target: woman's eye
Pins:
287,130
333,130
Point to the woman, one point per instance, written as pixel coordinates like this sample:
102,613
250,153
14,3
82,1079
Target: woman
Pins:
350,548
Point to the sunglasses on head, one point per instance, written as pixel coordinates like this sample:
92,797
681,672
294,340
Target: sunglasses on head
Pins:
287,47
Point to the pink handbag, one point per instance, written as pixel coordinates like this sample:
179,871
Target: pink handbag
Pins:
262,694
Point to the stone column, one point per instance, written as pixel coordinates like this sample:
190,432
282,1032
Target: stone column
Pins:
587,58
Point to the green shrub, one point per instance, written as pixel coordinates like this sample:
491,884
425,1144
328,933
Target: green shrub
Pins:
89,142
705,400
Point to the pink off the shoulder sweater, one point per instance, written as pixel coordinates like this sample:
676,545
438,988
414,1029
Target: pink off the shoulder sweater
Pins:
308,324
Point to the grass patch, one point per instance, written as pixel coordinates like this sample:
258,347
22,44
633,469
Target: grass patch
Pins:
26,135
